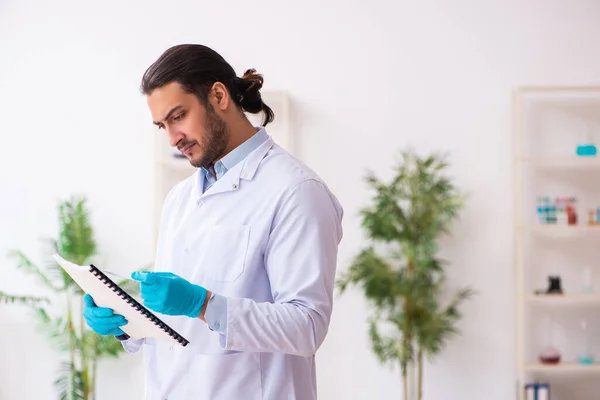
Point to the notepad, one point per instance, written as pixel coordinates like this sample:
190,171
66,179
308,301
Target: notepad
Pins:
141,322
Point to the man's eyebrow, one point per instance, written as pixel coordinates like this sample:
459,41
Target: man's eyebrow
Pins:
174,109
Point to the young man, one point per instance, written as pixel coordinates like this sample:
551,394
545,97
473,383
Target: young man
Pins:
247,251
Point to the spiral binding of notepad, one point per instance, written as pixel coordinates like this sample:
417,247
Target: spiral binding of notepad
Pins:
138,307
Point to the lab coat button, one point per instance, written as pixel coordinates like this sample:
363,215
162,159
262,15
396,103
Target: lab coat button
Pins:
234,185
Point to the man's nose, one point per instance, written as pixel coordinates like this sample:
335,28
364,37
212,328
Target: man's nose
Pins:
174,137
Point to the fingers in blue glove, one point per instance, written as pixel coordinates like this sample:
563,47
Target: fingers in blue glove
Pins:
168,293
108,330
116,332
113,319
143,276
151,282
91,309
102,320
88,300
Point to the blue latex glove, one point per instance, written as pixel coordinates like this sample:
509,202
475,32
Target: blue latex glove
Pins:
102,320
169,294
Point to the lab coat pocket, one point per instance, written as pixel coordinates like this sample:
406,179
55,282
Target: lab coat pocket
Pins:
224,252
232,376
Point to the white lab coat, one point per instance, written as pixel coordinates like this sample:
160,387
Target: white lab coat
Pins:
265,236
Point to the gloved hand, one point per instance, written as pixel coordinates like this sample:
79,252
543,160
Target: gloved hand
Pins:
102,320
169,294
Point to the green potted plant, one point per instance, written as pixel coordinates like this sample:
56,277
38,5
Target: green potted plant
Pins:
60,317
400,272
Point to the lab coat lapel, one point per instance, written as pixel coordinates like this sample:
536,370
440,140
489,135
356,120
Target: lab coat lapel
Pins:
243,170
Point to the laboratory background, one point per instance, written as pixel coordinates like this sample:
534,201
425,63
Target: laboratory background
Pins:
486,112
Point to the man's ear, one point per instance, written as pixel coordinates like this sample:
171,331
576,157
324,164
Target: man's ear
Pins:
220,96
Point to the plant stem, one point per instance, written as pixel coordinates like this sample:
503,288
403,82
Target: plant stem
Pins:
404,381
72,346
93,380
83,356
420,372
94,364
407,334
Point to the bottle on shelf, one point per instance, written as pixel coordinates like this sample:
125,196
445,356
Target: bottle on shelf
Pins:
540,210
592,216
558,210
561,211
549,354
586,284
571,211
554,285
545,210
585,355
586,146
537,391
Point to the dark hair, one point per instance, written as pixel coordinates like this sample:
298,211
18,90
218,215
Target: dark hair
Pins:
196,68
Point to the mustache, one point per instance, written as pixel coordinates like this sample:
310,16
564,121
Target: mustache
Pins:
183,144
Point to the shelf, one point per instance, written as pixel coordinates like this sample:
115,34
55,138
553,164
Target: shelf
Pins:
565,299
563,230
563,161
548,124
564,367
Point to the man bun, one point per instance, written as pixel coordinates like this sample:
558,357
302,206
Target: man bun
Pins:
249,97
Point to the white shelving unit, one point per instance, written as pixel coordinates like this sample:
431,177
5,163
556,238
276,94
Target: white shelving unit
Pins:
169,170
550,122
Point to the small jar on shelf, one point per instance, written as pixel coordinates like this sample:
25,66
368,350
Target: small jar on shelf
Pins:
549,354
594,217
559,210
571,211
585,356
587,286
586,146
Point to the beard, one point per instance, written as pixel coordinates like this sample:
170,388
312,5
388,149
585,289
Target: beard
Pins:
214,142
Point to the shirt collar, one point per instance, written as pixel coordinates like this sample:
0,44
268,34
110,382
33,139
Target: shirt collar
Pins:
242,151
238,154
243,170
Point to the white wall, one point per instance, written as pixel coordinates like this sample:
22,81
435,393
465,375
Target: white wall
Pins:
367,78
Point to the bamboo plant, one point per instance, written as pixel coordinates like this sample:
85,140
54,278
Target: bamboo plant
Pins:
67,331
400,271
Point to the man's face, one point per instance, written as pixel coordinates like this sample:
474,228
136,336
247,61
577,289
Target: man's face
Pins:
197,131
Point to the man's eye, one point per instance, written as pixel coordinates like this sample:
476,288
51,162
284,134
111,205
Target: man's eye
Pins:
178,117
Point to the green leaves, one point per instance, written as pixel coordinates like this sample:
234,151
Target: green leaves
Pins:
403,279
55,329
439,324
375,276
107,346
417,205
70,383
25,264
67,332
30,301
386,349
76,241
